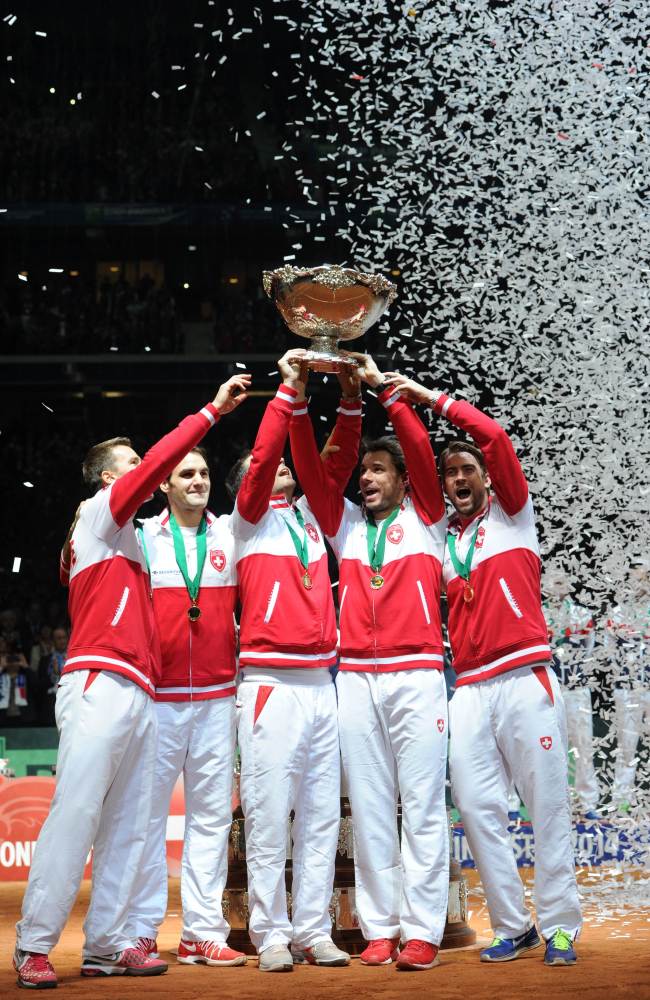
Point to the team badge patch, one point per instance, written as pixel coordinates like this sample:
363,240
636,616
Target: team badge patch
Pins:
395,534
218,559
480,537
546,741
311,531
441,725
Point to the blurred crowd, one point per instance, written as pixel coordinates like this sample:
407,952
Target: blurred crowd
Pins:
33,648
70,317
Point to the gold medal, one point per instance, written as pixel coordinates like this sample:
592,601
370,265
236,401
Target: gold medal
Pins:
307,581
377,581
194,613
468,592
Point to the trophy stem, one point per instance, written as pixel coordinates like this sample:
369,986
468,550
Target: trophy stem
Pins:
324,355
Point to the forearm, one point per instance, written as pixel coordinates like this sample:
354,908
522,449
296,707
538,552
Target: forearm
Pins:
130,491
255,490
413,436
324,493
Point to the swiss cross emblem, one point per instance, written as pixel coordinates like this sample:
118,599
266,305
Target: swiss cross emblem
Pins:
311,531
441,725
546,741
395,534
480,537
218,559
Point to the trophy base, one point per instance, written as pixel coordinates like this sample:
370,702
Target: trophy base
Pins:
325,361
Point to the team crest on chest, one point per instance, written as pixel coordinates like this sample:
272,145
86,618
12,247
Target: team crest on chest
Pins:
480,537
311,531
441,725
546,741
218,559
395,534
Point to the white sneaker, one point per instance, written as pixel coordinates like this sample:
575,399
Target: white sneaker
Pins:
323,952
276,958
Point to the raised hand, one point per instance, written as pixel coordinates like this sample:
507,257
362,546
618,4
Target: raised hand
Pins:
367,370
410,389
232,393
350,382
293,368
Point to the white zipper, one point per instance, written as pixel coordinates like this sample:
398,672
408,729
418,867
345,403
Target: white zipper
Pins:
424,602
345,590
121,606
510,599
272,599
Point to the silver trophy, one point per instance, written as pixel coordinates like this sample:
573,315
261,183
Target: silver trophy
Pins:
327,304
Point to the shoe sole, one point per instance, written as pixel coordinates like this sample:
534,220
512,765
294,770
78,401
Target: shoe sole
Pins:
199,960
277,968
561,961
36,986
334,964
412,967
95,973
511,958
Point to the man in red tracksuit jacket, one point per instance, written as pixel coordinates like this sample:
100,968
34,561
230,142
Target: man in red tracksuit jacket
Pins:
286,703
190,555
507,717
104,713
392,700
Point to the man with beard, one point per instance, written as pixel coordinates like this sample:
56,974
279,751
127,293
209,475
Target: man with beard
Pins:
507,717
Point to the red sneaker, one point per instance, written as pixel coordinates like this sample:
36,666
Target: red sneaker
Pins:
209,953
130,962
148,946
34,970
418,955
383,951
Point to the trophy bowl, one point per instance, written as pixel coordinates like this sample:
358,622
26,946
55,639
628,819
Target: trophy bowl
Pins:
326,304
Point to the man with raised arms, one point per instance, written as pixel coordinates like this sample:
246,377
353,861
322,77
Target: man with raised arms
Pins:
286,702
507,717
190,555
105,715
392,700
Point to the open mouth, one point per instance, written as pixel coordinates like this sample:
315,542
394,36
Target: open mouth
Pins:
370,494
464,493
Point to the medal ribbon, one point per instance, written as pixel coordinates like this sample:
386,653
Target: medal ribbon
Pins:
300,544
181,558
377,539
463,568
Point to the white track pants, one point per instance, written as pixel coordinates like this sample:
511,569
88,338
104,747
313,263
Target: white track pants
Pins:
631,719
393,730
197,739
103,795
288,741
502,729
580,727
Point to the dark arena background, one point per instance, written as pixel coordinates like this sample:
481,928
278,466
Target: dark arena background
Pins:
492,160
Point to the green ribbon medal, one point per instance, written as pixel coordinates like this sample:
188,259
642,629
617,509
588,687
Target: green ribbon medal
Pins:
376,538
194,611
464,568
301,547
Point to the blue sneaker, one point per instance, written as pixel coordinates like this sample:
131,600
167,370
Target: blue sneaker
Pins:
560,950
506,949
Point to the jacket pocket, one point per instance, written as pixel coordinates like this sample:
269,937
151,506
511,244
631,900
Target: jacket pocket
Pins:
119,611
273,596
507,593
425,606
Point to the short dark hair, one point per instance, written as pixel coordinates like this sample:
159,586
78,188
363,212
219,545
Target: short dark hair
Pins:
455,447
199,450
100,458
391,445
236,475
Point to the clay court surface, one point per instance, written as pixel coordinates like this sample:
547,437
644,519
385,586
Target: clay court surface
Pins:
614,959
